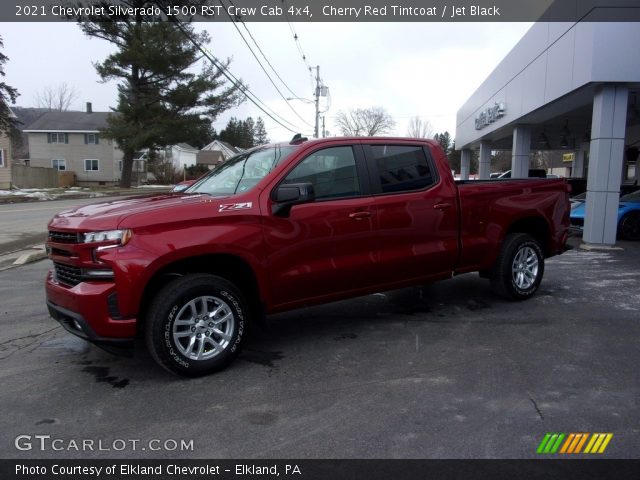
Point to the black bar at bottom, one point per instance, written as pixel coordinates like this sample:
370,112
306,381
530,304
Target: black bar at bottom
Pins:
318,469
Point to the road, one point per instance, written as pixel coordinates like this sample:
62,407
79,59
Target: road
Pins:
25,224
442,371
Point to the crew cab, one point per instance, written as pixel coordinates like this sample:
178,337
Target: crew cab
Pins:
288,225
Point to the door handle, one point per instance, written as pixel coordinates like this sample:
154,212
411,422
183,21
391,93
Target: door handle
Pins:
359,215
442,206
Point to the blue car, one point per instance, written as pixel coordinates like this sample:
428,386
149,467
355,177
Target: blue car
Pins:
628,215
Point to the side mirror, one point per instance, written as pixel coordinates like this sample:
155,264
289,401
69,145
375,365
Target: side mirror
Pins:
288,195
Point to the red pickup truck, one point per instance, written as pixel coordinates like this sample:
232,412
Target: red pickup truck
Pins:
288,225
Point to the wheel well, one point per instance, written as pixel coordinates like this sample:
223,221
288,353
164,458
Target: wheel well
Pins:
230,267
536,227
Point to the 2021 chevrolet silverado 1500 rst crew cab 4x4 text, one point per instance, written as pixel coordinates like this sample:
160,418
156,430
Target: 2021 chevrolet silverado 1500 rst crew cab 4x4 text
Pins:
288,225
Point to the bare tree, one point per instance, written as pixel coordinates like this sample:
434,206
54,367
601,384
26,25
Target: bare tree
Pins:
419,128
367,122
56,98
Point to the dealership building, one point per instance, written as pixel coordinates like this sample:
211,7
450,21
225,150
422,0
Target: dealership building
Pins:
569,86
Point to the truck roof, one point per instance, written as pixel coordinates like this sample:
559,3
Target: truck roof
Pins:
299,140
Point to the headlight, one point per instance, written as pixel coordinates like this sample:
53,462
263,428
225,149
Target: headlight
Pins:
118,237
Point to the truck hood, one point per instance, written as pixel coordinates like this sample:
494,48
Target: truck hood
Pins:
113,214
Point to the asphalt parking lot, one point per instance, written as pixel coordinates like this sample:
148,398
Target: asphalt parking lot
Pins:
443,371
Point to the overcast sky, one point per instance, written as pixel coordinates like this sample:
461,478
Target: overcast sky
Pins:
423,69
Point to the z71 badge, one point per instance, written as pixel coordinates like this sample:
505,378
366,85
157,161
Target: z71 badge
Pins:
235,206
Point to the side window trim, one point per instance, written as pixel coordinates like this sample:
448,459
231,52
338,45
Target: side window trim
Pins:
362,172
362,169
432,165
374,174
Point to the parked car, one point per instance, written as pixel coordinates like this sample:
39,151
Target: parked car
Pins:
533,172
284,226
182,186
628,214
579,186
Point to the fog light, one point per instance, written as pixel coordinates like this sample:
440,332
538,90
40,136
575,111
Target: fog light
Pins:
77,325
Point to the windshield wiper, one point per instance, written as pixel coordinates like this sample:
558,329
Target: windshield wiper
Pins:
244,165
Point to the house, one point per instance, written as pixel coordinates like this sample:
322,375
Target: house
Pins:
215,153
182,155
5,158
210,158
5,161
25,117
71,141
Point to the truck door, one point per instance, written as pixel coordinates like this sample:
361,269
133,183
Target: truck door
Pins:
326,246
417,214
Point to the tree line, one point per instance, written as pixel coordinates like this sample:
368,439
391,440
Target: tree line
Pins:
244,133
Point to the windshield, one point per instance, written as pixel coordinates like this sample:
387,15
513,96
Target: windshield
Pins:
581,196
631,197
241,173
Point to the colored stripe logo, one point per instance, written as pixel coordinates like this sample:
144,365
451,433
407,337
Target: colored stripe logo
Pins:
574,443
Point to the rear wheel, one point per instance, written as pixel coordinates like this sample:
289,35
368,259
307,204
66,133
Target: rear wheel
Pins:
196,324
629,226
519,268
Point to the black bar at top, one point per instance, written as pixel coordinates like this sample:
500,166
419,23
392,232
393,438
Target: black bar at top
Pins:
335,10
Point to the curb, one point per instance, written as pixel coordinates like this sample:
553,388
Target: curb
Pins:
30,257
589,247
17,258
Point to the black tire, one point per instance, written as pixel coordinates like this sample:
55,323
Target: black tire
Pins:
629,226
180,325
522,283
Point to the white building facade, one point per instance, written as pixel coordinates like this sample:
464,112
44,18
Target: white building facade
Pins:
565,86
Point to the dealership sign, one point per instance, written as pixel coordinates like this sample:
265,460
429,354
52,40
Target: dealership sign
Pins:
490,115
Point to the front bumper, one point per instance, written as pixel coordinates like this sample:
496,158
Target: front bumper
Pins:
87,310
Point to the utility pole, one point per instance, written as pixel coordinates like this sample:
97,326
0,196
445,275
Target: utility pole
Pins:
316,132
324,132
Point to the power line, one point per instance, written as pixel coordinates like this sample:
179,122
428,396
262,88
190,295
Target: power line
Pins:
235,82
296,40
263,55
260,63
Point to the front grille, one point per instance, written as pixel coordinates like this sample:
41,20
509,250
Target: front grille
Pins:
67,274
64,237
60,253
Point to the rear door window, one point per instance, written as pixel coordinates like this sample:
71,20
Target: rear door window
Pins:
402,168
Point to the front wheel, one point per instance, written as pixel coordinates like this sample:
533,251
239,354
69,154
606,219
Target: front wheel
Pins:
518,270
196,324
629,227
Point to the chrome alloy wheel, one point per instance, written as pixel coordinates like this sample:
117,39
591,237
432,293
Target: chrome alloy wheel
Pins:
203,328
525,268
